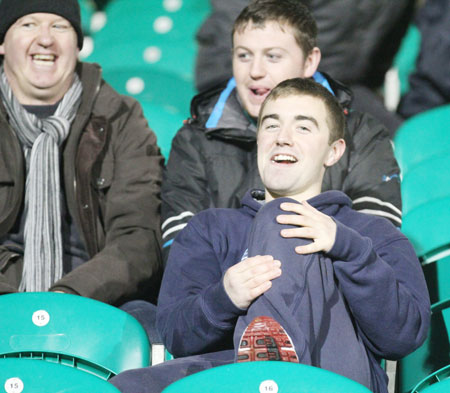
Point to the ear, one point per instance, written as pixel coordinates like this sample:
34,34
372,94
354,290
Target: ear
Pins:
2,49
337,149
312,62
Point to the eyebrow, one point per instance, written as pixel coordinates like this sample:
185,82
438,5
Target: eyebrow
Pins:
271,116
298,117
243,47
309,118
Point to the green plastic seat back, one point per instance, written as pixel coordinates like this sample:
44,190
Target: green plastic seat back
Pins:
437,276
164,96
422,137
34,376
426,201
441,387
164,122
422,150
157,34
406,56
438,382
265,377
153,44
86,11
433,355
72,330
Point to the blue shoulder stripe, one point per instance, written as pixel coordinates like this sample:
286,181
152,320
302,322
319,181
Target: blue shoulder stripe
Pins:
168,243
319,78
218,108
216,114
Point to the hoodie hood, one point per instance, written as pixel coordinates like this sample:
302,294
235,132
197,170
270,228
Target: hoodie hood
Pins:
329,202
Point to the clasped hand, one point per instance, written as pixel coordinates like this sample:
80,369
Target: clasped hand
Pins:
250,278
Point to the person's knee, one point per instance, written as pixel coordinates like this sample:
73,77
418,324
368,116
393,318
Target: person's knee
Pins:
268,213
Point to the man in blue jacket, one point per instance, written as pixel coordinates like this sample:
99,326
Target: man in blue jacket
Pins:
346,286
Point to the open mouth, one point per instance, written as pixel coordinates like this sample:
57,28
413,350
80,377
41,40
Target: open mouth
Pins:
284,159
260,91
43,59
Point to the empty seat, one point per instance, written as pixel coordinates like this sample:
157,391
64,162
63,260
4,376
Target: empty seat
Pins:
71,330
34,376
432,356
267,377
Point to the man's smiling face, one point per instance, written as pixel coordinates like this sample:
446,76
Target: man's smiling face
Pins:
293,146
40,53
262,58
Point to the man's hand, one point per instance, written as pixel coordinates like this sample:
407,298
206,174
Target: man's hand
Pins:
250,278
311,223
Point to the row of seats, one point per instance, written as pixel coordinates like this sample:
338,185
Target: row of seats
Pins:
52,342
421,149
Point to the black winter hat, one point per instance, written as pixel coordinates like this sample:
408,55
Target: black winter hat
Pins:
11,10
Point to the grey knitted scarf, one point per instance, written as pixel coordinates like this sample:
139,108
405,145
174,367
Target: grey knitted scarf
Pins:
41,139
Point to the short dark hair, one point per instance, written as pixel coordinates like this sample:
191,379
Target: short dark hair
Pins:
308,87
285,12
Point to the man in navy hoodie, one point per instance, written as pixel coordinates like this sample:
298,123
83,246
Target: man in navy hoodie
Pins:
346,286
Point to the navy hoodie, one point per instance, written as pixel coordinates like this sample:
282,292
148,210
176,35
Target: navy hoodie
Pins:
374,264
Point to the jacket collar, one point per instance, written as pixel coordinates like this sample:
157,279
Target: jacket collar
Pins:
90,76
221,111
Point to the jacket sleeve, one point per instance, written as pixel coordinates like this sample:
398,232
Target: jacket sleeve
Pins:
373,176
185,190
430,81
384,287
9,277
194,314
130,258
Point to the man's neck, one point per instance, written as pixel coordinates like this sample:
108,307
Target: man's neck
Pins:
304,196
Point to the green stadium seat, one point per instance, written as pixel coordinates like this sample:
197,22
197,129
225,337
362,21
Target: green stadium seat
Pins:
147,50
160,35
426,213
437,275
164,122
164,97
34,376
87,9
160,88
267,377
72,330
438,382
405,58
422,137
421,148
432,356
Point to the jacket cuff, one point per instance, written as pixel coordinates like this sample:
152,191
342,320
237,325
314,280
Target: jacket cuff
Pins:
63,289
218,307
5,288
349,245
